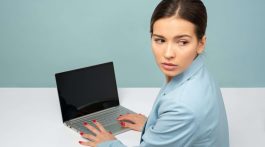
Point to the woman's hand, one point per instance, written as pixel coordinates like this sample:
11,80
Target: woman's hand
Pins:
101,135
133,121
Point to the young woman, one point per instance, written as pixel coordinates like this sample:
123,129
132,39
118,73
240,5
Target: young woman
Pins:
189,110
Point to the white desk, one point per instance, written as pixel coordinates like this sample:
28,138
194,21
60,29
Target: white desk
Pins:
32,117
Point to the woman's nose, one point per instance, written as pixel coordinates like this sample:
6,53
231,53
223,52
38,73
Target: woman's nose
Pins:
169,52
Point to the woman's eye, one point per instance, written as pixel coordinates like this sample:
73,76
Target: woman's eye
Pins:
183,42
159,41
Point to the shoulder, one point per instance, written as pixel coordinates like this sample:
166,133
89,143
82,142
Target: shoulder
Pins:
195,94
199,87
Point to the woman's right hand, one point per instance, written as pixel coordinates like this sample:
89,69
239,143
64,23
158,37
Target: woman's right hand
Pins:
133,121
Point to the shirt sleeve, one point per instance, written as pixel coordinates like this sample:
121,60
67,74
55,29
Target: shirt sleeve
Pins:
175,127
111,143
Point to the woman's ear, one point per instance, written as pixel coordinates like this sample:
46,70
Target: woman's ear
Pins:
202,43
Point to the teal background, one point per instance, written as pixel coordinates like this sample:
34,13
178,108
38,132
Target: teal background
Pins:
39,38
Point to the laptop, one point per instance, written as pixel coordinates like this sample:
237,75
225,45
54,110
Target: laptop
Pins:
88,94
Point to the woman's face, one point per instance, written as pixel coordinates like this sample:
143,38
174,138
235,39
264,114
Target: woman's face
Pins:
175,45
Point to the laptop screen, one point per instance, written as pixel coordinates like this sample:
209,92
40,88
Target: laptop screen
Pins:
87,90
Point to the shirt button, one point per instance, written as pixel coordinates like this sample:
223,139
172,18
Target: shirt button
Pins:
164,94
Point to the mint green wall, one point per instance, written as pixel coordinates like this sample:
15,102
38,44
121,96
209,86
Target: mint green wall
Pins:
41,37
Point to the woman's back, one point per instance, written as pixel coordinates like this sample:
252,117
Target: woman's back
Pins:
189,111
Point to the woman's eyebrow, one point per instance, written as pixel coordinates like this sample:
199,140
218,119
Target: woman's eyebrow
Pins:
160,36
181,36
175,37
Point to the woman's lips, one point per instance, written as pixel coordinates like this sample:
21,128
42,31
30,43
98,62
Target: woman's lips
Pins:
169,66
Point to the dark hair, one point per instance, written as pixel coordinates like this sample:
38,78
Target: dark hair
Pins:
193,11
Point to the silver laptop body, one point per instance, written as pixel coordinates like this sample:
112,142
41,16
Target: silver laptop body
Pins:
88,94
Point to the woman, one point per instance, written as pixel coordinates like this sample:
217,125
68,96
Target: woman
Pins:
189,109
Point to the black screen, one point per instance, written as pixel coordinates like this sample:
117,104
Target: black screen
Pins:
87,90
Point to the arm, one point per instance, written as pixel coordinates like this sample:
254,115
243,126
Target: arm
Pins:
175,127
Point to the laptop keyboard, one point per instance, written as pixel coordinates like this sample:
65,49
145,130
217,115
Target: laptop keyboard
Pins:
106,118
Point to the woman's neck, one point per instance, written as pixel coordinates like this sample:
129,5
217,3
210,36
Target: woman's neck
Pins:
168,79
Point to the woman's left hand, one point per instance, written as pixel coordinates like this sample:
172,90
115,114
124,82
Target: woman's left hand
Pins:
101,135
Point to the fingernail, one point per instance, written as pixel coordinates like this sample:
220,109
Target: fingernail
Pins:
122,124
85,123
81,133
80,142
94,121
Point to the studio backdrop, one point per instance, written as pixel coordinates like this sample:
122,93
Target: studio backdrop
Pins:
39,38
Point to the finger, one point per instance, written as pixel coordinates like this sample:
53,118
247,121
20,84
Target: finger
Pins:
126,117
127,114
133,121
100,127
129,125
91,128
88,136
92,144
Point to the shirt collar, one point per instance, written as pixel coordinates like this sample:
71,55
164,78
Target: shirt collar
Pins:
185,75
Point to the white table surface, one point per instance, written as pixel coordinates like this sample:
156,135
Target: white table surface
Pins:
32,117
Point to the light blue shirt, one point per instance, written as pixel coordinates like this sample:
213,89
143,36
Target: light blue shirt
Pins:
188,112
